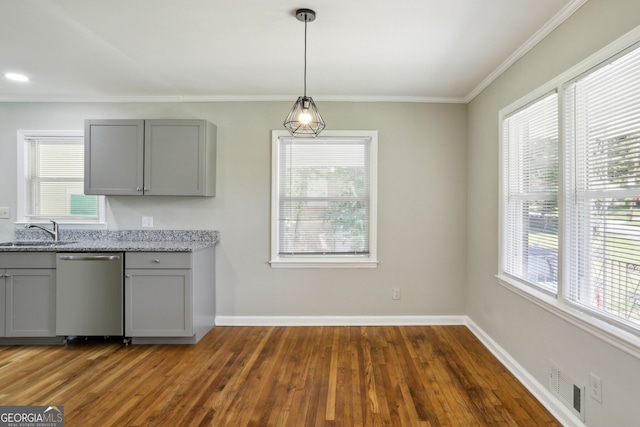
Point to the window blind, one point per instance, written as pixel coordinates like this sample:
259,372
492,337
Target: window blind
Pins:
324,196
603,177
54,179
530,205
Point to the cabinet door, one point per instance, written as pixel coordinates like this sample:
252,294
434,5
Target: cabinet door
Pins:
114,157
3,281
158,303
177,158
30,303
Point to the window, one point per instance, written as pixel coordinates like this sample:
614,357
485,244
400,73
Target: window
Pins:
324,200
530,213
570,195
603,187
51,179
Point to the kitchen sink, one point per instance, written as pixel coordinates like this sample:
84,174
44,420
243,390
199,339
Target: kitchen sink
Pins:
33,244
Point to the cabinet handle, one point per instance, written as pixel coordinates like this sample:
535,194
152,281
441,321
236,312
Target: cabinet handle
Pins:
138,189
146,189
7,275
128,276
89,257
157,261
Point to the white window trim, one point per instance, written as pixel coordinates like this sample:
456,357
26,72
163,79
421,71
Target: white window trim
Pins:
340,261
21,218
614,334
504,115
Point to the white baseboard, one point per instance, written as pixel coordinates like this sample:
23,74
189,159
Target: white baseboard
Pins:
339,320
542,393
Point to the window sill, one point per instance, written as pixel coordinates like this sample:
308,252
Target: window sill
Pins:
328,262
625,341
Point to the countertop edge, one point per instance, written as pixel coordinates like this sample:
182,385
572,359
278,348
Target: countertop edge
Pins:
115,246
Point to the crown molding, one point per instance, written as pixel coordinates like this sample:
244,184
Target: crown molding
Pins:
229,98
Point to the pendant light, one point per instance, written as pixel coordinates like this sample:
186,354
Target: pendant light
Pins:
304,119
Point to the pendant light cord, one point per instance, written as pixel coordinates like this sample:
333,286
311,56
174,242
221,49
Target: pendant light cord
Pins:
305,56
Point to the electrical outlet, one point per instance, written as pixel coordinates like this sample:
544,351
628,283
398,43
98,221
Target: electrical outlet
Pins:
395,294
147,221
595,387
4,213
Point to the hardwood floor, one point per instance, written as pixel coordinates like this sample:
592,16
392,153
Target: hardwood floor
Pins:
276,376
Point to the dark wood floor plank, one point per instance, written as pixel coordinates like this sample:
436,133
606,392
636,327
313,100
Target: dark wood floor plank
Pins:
277,376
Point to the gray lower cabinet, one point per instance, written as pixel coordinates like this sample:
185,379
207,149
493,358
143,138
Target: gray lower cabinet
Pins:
150,157
27,294
169,296
158,303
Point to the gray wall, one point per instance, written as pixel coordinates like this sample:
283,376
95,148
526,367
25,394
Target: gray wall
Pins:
530,334
422,199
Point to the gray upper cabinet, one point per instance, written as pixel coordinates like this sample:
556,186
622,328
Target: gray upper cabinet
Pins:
150,157
180,157
114,157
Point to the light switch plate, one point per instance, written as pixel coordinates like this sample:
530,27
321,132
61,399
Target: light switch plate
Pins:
5,213
147,221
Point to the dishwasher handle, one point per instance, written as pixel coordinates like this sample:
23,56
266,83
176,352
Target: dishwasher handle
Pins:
89,257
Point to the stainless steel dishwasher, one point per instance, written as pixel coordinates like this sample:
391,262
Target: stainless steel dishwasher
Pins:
89,294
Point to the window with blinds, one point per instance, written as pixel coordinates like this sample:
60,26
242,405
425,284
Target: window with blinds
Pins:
530,191
54,180
602,133
324,198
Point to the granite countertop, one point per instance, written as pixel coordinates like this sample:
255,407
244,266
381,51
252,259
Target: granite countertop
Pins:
113,241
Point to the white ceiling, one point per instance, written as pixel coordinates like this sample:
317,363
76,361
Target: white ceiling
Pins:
198,50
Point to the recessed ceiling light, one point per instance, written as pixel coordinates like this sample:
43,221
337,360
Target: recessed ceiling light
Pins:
17,77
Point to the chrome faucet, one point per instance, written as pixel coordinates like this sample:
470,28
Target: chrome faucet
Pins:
53,233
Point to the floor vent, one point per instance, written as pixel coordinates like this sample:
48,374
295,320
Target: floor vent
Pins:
570,393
